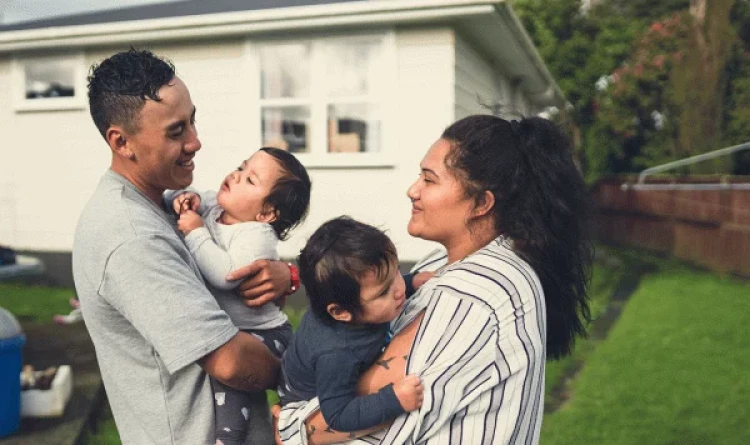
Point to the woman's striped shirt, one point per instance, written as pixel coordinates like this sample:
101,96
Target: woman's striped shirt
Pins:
479,350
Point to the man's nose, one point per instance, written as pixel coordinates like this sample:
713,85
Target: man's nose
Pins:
194,143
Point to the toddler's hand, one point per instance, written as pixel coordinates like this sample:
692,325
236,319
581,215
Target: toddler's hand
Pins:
421,278
189,221
186,201
409,392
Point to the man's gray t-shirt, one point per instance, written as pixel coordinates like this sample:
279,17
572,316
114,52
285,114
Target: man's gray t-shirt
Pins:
150,317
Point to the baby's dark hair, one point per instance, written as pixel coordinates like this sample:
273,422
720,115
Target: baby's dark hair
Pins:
290,196
337,257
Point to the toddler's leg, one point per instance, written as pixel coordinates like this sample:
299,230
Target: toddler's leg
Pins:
232,413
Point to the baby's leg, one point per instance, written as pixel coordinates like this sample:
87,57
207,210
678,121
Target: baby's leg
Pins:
232,413
276,339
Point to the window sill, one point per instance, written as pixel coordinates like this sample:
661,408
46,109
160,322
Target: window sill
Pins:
50,104
345,160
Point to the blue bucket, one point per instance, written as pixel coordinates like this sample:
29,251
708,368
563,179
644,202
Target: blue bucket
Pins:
11,343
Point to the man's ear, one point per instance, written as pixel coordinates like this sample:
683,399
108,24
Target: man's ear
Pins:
269,215
484,204
338,314
118,142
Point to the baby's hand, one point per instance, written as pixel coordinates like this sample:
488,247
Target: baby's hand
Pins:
189,221
186,201
409,392
421,278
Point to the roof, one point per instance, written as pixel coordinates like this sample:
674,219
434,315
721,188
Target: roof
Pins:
490,25
163,10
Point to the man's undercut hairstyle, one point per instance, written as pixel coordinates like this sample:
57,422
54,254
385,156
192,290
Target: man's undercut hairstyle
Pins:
336,259
120,85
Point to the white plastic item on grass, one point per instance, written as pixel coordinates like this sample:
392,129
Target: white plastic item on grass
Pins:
50,402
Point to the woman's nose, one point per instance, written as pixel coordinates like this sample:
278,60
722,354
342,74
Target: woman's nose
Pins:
412,191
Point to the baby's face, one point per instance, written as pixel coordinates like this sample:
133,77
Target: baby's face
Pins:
244,191
382,299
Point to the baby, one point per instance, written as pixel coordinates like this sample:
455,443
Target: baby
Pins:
256,206
350,272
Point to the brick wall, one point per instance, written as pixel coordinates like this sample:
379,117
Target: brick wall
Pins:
710,228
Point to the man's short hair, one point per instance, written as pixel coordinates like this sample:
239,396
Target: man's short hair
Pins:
120,85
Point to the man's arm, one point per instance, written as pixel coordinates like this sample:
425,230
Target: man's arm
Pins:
264,281
244,363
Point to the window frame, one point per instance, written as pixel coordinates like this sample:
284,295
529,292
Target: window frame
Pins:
318,155
18,84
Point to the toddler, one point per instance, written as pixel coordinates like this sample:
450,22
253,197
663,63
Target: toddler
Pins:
256,206
350,272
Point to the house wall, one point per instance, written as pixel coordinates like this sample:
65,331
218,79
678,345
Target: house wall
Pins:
52,160
480,84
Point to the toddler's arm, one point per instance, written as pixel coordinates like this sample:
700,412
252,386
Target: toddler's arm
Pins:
251,242
336,378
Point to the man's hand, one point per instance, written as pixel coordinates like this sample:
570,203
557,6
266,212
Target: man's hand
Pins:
186,201
264,281
189,221
409,392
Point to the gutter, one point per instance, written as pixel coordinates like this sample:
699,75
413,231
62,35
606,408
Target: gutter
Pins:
375,12
552,94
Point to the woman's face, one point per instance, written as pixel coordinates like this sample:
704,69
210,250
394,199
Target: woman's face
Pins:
440,209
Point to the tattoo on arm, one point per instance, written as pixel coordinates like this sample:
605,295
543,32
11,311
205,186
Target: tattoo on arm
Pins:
310,430
406,357
384,362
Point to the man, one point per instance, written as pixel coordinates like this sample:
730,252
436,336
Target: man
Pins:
157,330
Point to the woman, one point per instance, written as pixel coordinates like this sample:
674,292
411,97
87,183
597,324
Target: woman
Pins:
509,206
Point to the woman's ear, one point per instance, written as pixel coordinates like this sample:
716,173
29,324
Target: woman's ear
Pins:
269,215
338,314
484,204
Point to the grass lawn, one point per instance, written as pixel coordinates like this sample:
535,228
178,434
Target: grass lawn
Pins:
605,277
34,303
673,370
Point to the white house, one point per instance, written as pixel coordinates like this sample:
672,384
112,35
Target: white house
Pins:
358,89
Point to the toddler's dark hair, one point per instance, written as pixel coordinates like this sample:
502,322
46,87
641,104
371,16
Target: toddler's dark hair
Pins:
290,196
335,260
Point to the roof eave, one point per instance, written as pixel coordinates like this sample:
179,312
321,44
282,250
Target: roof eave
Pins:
373,13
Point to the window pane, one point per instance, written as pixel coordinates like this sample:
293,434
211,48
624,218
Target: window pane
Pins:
353,128
287,128
285,71
49,78
351,67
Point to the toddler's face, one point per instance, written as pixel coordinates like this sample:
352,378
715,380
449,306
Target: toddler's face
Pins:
243,192
382,299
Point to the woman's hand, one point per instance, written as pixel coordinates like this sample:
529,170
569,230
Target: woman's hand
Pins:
264,281
421,278
189,221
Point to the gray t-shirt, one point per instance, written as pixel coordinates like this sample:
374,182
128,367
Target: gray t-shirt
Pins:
150,317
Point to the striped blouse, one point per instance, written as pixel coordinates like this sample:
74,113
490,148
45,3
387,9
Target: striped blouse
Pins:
479,351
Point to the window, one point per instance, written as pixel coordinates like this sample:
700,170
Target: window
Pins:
325,99
49,83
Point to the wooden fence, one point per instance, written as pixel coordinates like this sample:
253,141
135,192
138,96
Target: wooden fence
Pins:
710,228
